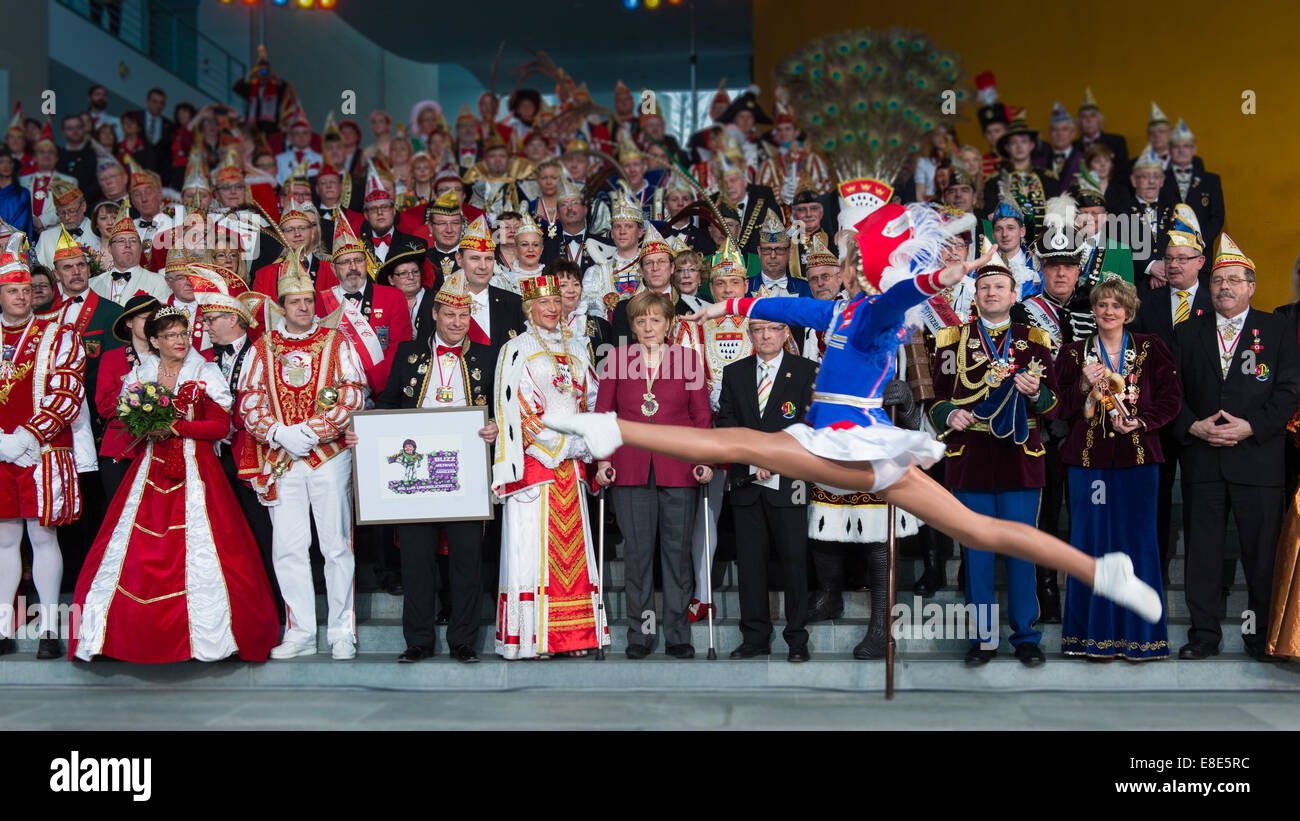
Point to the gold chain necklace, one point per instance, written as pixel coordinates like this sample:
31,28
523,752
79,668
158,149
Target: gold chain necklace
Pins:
563,382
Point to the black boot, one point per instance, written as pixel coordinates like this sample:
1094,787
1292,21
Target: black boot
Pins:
932,578
873,644
828,601
1049,597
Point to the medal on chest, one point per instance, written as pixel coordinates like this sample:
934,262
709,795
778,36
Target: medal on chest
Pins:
295,368
728,346
1000,365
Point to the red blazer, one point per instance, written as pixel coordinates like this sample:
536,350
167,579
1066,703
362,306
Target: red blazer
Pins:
113,368
266,280
391,319
683,395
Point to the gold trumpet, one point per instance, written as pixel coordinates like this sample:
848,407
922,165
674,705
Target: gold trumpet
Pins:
326,399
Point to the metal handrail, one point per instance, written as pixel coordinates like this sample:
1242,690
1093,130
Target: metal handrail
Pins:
158,32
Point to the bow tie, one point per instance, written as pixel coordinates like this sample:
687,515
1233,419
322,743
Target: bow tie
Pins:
573,237
144,223
77,299
356,297
384,240
776,283
297,155
121,276
445,349
76,232
224,350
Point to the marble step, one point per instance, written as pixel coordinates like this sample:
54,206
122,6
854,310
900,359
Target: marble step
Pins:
1227,673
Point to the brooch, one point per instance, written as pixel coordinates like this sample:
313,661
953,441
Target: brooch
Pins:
1261,372
476,374
1256,347
413,358
424,368
480,400
1036,368
1021,345
973,344
408,390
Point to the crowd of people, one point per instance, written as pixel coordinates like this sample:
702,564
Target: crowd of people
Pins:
272,280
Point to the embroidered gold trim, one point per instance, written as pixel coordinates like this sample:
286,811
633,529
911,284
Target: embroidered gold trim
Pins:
139,600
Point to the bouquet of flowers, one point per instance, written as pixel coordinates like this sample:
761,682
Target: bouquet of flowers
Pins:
146,409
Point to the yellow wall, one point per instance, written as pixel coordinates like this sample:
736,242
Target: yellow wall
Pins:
1195,64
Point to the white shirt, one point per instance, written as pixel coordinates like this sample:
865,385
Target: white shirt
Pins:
381,250
227,361
777,287
773,365
140,280
480,314
70,310
415,306
49,239
1173,298
445,370
287,161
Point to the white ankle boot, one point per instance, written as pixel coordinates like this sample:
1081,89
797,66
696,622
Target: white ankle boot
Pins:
1115,580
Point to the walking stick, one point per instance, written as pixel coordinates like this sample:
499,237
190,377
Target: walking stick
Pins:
891,540
602,638
708,563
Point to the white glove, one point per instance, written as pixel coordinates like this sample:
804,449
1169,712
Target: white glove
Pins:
788,188
298,439
20,448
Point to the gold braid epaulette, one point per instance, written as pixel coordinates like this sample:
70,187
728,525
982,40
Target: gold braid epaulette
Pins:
1040,336
946,336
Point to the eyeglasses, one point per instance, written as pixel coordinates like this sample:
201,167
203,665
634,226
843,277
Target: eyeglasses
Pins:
406,274
1181,260
1217,281
172,337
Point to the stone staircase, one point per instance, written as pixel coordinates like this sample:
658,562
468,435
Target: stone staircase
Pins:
922,663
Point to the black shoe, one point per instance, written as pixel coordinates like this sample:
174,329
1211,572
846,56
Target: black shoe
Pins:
825,606
1197,650
749,651
415,653
680,651
798,654
464,654
872,646
8,646
49,647
978,657
1030,654
1049,597
393,586
637,651
932,577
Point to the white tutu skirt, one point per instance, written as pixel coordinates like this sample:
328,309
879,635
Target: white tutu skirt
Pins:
890,450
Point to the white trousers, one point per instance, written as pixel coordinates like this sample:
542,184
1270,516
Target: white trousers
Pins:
323,494
716,487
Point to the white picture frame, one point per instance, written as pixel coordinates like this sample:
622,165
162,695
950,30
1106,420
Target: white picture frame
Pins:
444,477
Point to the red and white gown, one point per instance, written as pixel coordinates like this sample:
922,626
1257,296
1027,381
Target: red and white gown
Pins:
548,587
174,573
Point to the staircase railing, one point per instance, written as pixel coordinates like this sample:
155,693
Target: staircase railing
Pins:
168,37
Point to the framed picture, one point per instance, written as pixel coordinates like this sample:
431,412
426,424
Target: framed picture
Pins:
421,465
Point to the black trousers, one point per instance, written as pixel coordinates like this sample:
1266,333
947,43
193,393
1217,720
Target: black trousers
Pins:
1170,449
258,518
419,545
75,539
111,474
1257,511
760,526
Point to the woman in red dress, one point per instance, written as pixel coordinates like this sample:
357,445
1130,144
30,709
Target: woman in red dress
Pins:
164,581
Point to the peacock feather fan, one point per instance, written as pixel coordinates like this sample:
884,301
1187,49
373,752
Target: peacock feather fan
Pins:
867,98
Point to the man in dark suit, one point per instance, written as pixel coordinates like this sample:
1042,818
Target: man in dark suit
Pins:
158,131
1186,180
1150,214
1090,125
1163,309
77,157
768,391
1017,180
753,203
444,369
1059,154
1240,374
496,315
380,235
573,241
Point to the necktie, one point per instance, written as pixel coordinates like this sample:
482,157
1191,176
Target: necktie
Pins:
355,297
121,276
764,385
447,349
1184,309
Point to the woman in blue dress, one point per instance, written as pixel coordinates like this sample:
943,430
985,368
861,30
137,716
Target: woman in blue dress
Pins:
846,443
